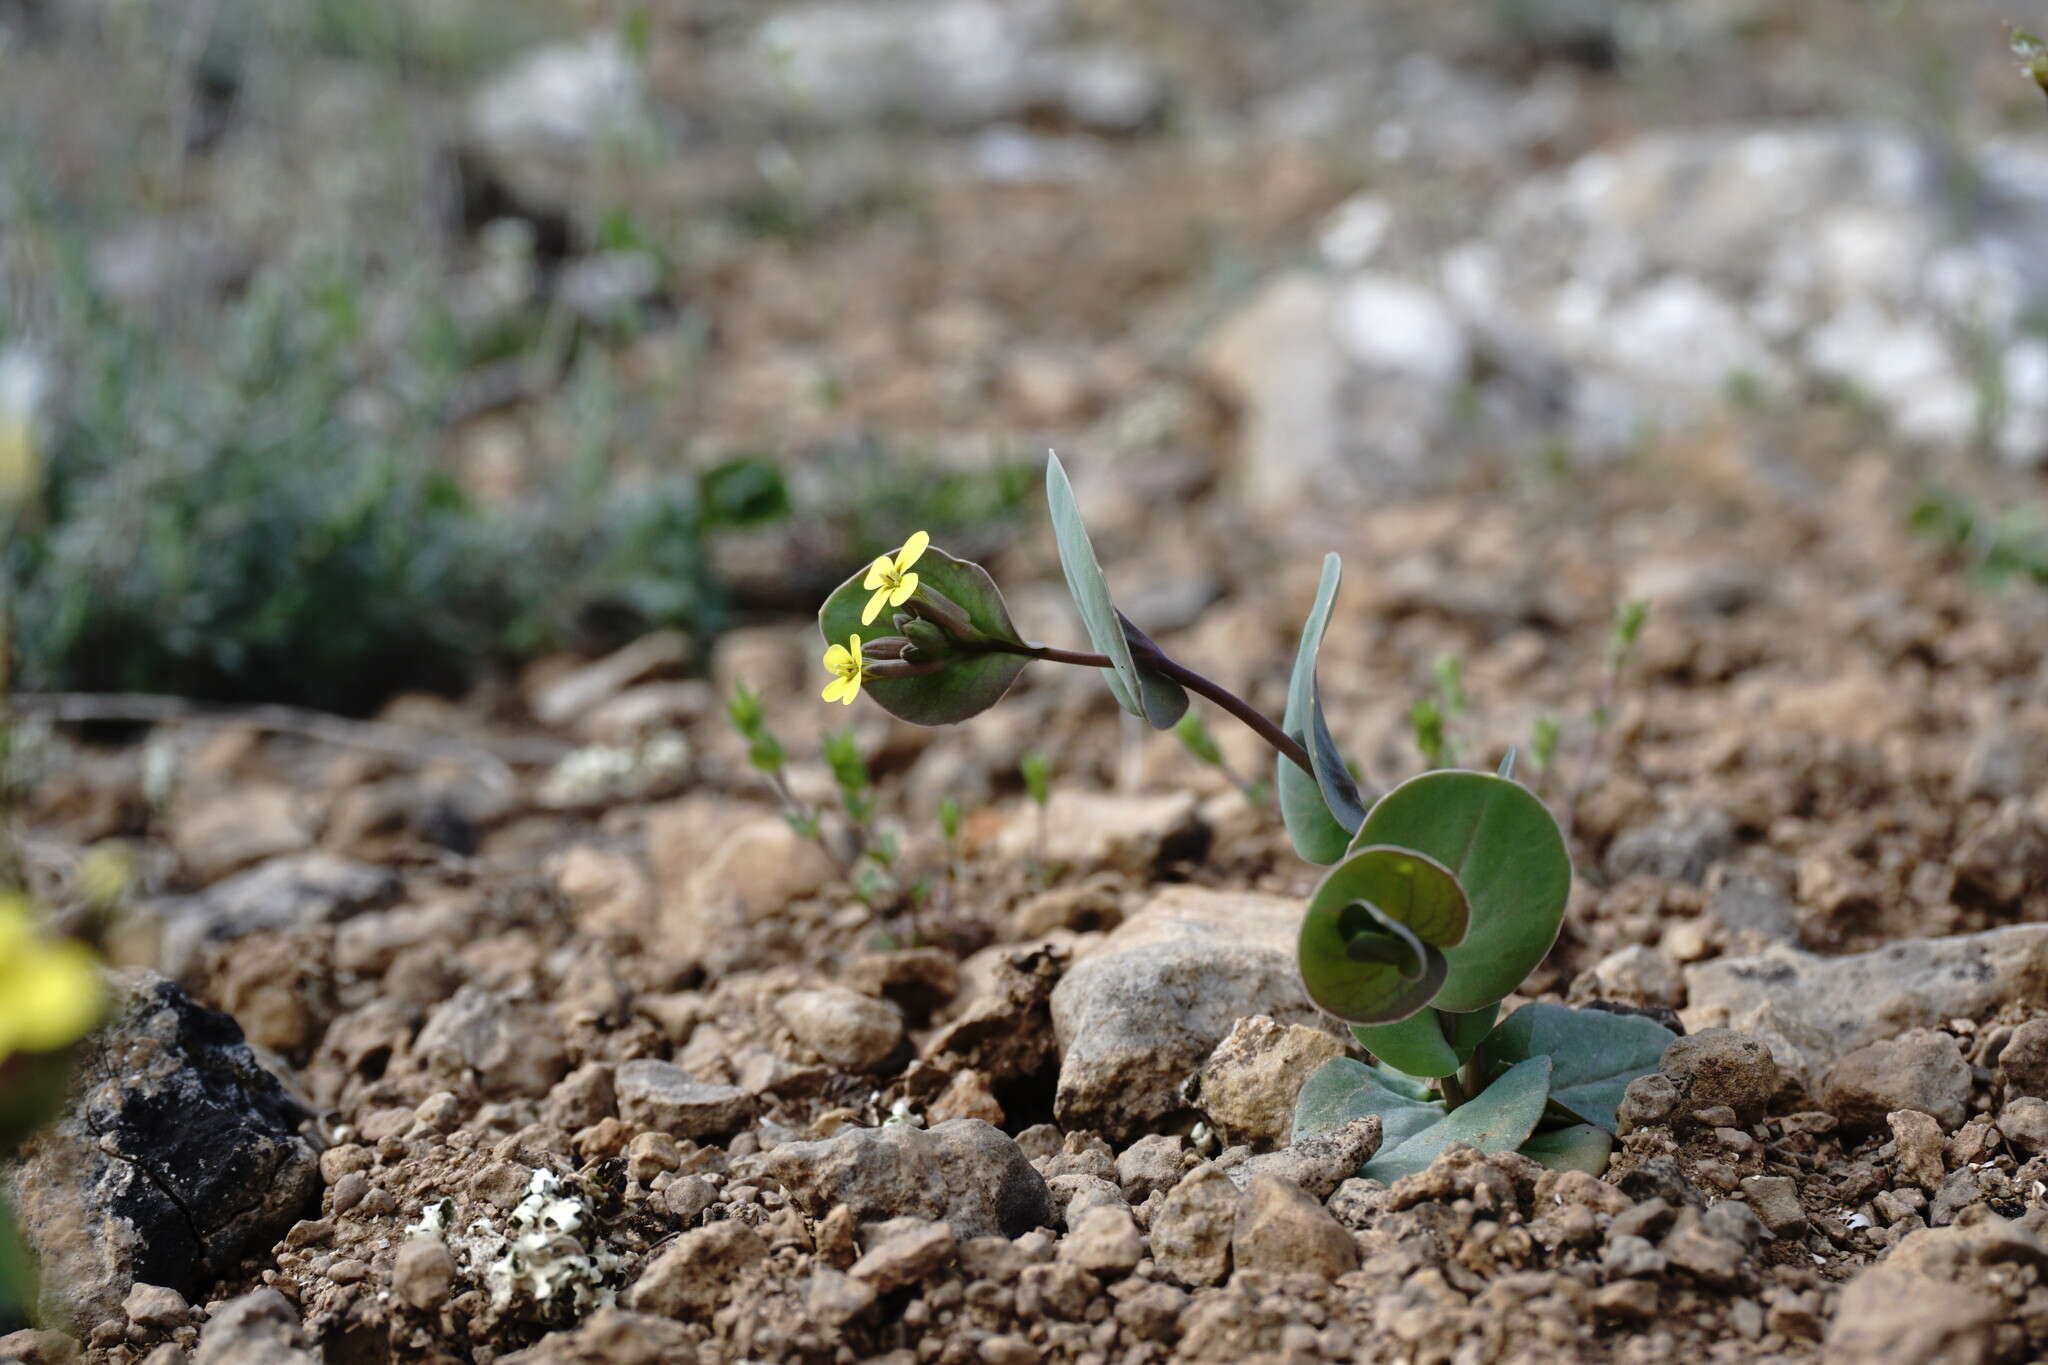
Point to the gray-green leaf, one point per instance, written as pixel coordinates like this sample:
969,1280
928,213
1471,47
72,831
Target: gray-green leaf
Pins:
1321,810
1595,1054
1090,591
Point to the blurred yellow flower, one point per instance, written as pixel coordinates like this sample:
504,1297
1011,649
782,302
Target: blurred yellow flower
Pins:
18,469
50,992
851,670
893,582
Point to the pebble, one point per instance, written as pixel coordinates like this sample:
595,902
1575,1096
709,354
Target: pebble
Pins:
1919,1069
662,1096
1280,1228
906,1256
1191,1232
964,1172
1105,1242
1718,1066
1916,1140
422,1273
1249,1084
844,1027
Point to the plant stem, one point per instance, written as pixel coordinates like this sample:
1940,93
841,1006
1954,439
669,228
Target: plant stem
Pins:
1259,723
1453,1091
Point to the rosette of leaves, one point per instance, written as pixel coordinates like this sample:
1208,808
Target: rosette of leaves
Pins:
969,670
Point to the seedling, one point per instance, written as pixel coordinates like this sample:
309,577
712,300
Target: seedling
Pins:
1194,736
1037,773
1439,900
2033,55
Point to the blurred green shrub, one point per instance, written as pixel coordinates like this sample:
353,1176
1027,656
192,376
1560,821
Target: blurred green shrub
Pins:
258,523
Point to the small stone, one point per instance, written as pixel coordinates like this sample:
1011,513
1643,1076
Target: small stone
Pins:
156,1307
1317,1164
1250,1081
1891,1315
1191,1232
835,1298
908,1256
966,1173
1719,1066
2024,1123
1648,1101
1898,1205
347,1192
1627,1300
1919,1069
422,1273
661,1096
687,1196
1281,1229
651,1154
1776,1201
2023,1064
966,1096
1958,1191
1105,1242
1153,1312
1712,1260
1975,1141
693,1276
506,1045
259,1328
1916,1138
1152,1163
31,1346
1007,1350
1626,1255
1635,975
844,1027
1058,1291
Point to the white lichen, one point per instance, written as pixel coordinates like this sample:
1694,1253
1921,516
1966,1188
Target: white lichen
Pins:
546,1263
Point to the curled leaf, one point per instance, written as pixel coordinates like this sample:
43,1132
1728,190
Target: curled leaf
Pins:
1371,947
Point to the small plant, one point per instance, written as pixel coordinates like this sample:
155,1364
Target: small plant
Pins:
1440,898
1037,772
1194,736
2033,55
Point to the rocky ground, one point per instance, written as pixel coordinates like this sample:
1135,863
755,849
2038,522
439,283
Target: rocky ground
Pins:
524,1028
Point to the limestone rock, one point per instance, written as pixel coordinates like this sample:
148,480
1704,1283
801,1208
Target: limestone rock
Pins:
1720,1067
695,1274
259,1328
844,1027
299,890
1282,1229
2023,1064
1920,1069
506,1045
1317,1164
1191,1230
1252,1078
1085,829
1105,1241
1135,1019
964,1172
909,1255
1813,1010
662,1097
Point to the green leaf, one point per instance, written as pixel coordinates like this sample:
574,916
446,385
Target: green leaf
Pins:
1581,1147
1090,591
1505,850
1595,1054
972,680
1370,948
1498,1119
1417,1044
1165,701
1319,811
1413,1132
1347,1089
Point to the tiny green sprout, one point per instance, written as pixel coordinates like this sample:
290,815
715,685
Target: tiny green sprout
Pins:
1543,738
2033,55
949,821
1426,719
1438,900
1037,772
850,774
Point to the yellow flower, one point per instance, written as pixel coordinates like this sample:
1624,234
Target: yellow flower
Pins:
50,992
893,582
852,670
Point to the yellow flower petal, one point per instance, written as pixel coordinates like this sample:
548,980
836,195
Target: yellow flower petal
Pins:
879,572
836,688
852,690
836,657
904,590
873,609
853,647
912,548
54,998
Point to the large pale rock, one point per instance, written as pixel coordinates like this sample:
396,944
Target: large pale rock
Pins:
1136,1019
965,1173
178,1153
1813,1010
720,869
1085,829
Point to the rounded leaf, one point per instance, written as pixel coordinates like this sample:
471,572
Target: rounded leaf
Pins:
971,681
1580,1147
1505,851
1372,940
1595,1054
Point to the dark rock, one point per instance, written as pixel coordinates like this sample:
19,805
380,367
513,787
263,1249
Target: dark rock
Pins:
177,1154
